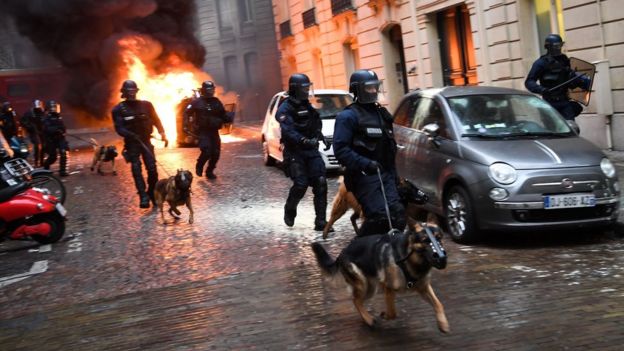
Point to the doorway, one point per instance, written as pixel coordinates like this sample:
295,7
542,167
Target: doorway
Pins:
459,64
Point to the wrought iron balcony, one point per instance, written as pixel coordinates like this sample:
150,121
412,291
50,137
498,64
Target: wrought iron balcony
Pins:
309,18
285,30
340,6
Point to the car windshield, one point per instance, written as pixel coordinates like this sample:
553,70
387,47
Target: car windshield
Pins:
497,115
329,105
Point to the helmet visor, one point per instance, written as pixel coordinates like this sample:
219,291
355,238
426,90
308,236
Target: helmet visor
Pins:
304,91
369,92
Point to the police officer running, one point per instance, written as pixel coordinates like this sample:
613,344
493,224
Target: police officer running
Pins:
8,123
300,126
135,120
364,144
53,132
208,116
552,70
32,122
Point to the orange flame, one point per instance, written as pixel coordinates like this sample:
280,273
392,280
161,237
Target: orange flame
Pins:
164,90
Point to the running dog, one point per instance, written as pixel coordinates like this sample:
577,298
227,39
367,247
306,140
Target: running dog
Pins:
103,154
395,262
344,200
176,191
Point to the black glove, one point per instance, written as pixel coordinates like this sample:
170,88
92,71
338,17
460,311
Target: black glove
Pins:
309,143
372,168
327,145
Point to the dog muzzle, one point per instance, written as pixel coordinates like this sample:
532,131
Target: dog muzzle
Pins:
434,251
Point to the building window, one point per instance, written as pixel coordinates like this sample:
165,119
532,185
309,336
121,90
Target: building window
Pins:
457,54
285,30
231,68
309,18
549,18
225,18
340,6
252,69
351,58
245,11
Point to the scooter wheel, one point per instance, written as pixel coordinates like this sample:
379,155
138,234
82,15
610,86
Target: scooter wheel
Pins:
57,224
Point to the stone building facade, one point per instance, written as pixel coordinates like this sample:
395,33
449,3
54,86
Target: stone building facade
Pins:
241,50
430,43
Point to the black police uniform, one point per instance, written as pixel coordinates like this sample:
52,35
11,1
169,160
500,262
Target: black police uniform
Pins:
208,116
363,142
135,120
301,126
551,71
54,141
8,124
32,122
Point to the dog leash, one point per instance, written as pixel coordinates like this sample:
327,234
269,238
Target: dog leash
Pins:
152,154
85,140
383,192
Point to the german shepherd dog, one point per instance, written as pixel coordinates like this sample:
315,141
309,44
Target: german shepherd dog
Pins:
344,200
176,191
103,154
394,262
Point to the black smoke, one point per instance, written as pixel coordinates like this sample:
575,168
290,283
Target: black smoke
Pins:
83,35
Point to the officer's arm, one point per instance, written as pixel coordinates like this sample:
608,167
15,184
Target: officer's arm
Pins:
156,121
287,127
531,80
118,123
346,124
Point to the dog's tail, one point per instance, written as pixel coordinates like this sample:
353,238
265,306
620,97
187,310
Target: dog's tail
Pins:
326,263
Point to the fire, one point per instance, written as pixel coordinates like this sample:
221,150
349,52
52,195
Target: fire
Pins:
163,90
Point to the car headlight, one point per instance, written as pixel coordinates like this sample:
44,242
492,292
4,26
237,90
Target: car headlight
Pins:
503,173
607,167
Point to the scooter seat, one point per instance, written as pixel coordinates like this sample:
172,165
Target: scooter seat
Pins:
8,193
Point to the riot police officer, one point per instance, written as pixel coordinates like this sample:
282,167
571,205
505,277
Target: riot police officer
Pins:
552,70
364,144
135,120
53,132
8,123
300,126
206,116
32,122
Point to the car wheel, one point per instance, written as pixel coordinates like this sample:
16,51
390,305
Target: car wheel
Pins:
268,159
459,216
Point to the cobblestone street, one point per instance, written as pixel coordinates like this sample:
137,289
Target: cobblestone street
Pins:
238,278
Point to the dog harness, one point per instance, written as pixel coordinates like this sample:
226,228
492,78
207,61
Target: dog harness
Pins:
395,236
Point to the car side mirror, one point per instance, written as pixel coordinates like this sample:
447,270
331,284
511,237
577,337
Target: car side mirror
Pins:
575,127
432,130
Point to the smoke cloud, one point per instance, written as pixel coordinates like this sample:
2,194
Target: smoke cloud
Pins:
85,35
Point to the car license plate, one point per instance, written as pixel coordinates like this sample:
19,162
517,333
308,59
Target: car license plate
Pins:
61,209
569,201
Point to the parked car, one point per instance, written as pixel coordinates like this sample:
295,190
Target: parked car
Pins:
328,103
498,159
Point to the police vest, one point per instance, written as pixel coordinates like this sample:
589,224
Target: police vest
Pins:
208,113
306,119
374,137
555,73
135,117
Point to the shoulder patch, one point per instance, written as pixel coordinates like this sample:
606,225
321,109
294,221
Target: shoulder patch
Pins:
281,118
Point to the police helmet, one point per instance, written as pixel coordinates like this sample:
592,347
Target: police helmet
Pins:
53,106
553,43
365,86
299,86
6,107
208,88
129,89
38,105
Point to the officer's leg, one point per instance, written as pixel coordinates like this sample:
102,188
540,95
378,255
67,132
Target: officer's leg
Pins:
397,210
298,189
63,165
215,153
204,155
51,151
152,172
134,157
316,170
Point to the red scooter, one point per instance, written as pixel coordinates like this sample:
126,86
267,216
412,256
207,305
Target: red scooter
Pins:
25,211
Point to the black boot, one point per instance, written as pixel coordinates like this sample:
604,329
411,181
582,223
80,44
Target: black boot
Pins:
198,169
289,215
210,174
319,225
144,200
290,209
320,204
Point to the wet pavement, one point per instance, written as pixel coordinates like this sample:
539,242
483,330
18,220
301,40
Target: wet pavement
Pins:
238,278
